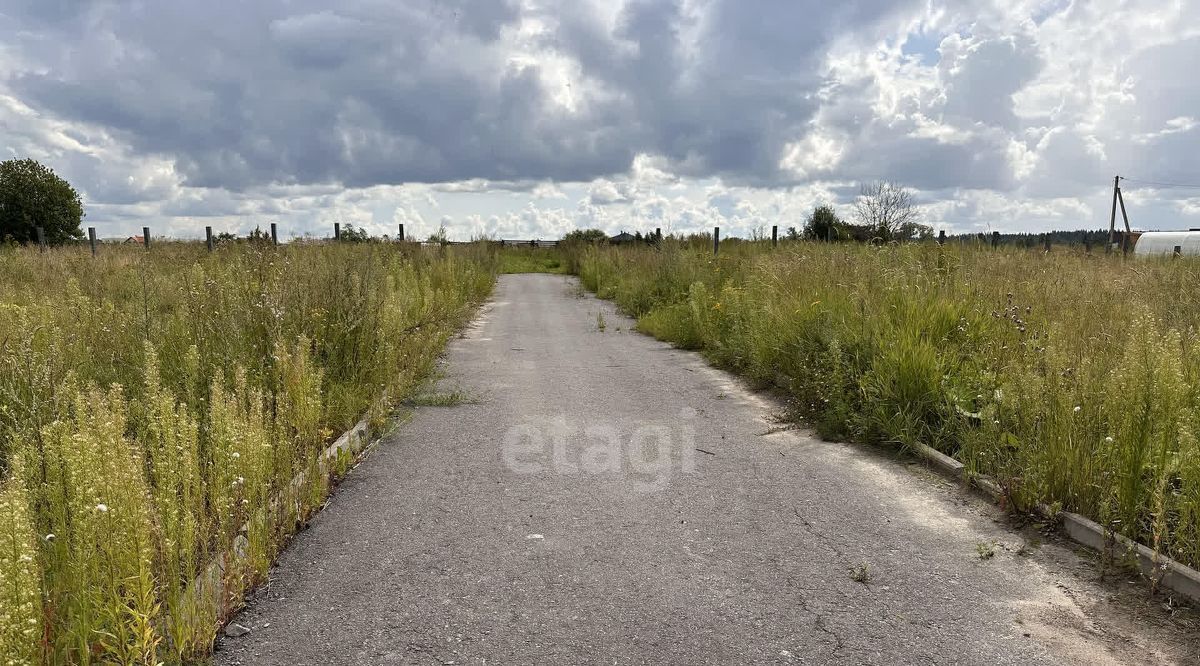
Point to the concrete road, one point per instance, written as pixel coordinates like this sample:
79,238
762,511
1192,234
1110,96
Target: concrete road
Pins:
603,498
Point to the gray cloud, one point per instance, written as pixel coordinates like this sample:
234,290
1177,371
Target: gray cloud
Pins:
685,112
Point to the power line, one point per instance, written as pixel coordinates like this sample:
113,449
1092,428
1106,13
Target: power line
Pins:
1160,184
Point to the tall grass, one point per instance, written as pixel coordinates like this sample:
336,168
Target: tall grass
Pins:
1072,379
153,403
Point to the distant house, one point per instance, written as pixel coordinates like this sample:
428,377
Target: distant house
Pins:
134,240
622,238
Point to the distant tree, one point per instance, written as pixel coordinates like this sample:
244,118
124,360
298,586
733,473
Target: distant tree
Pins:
352,234
823,224
793,233
585,236
225,237
32,196
889,212
258,236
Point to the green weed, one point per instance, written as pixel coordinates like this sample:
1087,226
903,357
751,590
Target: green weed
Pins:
153,403
1071,379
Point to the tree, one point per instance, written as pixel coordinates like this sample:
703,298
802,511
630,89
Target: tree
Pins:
352,234
823,224
585,236
32,196
888,210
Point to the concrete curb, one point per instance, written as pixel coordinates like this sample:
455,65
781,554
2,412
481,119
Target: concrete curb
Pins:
1160,570
212,592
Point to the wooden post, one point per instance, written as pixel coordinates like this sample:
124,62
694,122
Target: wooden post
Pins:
274,235
941,236
92,239
337,231
209,237
995,239
41,236
401,233
146,237
658,234
774,235
716,239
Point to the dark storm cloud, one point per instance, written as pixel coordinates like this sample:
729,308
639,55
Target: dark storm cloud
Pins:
369,92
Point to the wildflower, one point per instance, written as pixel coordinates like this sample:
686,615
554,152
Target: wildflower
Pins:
50,537
1108,440
102,508
1077,408
236,455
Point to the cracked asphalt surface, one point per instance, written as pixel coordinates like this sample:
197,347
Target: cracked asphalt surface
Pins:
603,498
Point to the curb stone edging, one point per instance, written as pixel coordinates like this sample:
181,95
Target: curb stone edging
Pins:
1160,569
211,590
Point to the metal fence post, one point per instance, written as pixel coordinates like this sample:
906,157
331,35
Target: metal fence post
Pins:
146,237
401,233
274,235
92,239
995,239
774,235
337,231
716,239
209,237
941,236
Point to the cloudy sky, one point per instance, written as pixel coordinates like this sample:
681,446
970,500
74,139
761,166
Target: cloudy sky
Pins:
528,118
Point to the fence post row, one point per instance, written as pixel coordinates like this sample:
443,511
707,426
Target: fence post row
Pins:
716,239
274,235
92,239
209,237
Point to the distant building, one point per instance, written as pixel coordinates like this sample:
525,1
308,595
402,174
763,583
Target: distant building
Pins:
134,240
622,238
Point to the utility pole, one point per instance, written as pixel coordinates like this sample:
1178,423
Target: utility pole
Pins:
1112,218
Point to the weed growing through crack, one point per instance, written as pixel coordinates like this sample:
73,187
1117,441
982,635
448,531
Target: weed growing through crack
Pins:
601,324
447,399
985,550
860,573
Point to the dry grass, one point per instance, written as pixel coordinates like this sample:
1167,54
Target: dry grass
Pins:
1072,379
152,403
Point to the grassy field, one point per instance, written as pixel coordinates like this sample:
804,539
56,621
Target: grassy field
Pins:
531,260
1070,378
151,404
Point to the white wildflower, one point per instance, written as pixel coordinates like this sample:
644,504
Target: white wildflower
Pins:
102,508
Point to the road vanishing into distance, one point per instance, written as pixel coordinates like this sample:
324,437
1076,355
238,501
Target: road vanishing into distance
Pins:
582,493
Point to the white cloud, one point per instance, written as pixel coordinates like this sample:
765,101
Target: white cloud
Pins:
535,117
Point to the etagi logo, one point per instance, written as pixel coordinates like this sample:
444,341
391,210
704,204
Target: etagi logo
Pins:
649,453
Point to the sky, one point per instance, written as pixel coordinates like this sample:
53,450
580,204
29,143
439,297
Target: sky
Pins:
526,119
